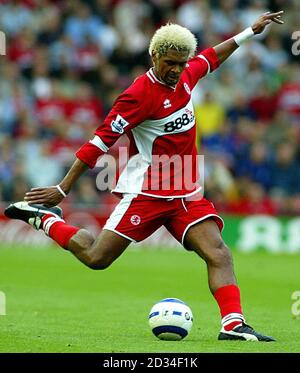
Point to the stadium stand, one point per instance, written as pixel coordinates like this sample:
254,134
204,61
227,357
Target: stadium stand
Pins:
67,61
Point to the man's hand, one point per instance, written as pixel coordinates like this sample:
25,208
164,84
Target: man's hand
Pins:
51,196
264,20
48,196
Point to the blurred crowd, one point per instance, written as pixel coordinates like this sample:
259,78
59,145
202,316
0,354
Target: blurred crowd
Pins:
66,62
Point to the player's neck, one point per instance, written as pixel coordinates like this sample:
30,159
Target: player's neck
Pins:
160,81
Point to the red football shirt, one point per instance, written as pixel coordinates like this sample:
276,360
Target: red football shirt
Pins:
159,121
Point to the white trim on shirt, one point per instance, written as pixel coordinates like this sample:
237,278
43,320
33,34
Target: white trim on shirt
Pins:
99,143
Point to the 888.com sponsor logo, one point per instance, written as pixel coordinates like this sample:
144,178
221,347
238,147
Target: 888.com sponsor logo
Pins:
180,122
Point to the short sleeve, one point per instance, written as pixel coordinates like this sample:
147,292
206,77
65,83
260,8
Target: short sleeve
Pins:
202,64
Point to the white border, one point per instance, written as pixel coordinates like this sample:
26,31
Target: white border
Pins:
99,143
206,60
158,196
120,234
197,221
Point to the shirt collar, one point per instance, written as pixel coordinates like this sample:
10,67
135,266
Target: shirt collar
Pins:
153,76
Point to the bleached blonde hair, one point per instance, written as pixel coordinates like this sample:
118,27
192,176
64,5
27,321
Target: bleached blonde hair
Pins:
173,36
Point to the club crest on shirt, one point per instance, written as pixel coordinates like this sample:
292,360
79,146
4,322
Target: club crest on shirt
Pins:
119,124
135,220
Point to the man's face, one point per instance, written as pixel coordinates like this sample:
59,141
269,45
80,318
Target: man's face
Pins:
170,66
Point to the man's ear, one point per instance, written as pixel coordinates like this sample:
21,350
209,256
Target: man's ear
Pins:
154,58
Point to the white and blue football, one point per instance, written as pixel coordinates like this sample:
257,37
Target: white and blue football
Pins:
171,319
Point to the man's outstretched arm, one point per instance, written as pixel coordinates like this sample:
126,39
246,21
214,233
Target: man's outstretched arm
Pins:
126,113
53,195
225,49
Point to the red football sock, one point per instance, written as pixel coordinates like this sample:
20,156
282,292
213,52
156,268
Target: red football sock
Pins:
229,301
58,230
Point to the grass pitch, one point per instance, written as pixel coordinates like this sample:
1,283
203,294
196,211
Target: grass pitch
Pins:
56,304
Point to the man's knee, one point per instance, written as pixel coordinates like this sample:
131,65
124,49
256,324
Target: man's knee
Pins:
218,254
99,263
221,255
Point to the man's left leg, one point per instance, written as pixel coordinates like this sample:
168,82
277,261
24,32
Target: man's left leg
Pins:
205,239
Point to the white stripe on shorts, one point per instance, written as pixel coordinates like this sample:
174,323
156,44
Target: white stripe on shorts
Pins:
198,221
119,211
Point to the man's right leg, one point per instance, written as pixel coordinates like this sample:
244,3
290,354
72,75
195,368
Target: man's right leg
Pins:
96,253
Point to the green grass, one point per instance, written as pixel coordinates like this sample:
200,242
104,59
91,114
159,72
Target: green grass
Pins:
56,304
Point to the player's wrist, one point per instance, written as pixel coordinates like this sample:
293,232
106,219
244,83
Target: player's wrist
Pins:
247,34
61,190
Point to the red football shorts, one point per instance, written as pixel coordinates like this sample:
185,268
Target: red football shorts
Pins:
136,217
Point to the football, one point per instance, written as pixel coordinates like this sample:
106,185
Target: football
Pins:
170,319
